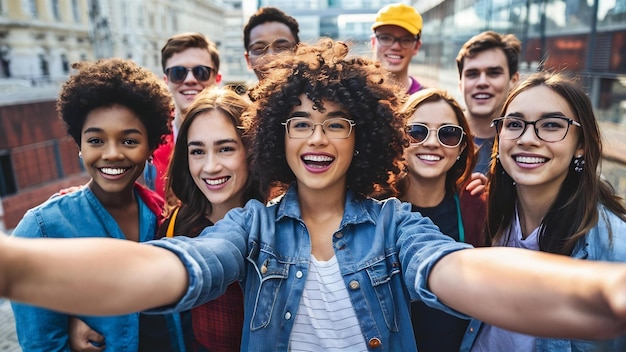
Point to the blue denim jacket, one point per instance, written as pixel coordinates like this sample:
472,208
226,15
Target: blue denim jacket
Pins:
385,254
594,246
77,214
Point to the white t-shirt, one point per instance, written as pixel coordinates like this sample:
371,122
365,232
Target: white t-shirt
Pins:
494,339
326,320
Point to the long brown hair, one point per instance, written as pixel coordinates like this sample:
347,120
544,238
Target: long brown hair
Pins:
180,185
575,209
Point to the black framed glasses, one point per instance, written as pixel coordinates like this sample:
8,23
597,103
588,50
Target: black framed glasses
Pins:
177,74
302,127
406,42
278,46
548,129
449,136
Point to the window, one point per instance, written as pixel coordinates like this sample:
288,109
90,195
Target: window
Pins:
7,177
55,10
76,11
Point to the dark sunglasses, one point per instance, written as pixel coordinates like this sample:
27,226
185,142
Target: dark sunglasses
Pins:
448,135
177,74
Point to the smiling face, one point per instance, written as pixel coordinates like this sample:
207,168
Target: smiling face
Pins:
185,91
394,58
114,148
485,83
430,160
318,162
217,160
531,162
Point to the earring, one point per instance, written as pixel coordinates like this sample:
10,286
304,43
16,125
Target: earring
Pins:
356,152
578,162
458,157
80,154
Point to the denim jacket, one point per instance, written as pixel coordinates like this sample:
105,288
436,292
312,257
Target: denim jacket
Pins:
385,254
78,214
593,246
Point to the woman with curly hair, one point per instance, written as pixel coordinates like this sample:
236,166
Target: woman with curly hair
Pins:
116,112
325,267
546,194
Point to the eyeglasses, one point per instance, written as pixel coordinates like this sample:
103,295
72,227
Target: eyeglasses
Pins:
177,74
277,46
388,40
302,127
548,129
449,136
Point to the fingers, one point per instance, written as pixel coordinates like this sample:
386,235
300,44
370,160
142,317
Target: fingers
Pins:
477,184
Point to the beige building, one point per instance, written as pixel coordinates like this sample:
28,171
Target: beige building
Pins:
40,39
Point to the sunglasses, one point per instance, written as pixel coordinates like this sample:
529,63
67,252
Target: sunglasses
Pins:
449,136
177,74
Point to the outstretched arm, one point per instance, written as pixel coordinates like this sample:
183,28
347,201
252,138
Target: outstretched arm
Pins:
94,276
533,292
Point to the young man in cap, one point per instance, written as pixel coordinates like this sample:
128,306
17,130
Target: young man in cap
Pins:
396,40
488,69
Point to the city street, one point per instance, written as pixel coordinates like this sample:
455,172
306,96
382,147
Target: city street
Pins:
8,339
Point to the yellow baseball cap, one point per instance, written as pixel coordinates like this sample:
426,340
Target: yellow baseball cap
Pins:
400,15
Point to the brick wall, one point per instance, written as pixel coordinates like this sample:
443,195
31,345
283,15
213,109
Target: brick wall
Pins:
16,205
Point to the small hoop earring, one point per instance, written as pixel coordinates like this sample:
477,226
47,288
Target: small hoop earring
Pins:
356,152
578,162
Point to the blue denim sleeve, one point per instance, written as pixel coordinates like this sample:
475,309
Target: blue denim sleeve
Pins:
38,329
421,245
213,260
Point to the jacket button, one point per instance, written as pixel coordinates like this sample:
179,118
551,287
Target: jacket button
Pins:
374,342
298,274
338,235
288,315
263,269
471,329
354,285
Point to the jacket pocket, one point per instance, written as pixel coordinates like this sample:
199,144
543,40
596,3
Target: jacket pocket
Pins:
272,273
380,274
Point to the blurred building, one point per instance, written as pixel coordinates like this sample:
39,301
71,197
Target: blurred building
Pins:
39,40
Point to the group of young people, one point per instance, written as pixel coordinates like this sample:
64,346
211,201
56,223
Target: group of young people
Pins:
326,266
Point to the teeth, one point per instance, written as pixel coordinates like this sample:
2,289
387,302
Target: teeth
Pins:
317,158
482,96
190,92
216,182
112,171
394,57
530,160
429,157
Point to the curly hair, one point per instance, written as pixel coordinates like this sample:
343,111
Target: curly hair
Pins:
110,82
324,73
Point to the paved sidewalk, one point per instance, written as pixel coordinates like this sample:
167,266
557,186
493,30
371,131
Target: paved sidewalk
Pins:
8,339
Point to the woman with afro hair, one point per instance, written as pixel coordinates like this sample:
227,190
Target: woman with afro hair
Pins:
324,267
116,112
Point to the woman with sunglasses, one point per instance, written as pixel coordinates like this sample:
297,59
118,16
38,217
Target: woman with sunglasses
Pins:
439,163
325,267
546,194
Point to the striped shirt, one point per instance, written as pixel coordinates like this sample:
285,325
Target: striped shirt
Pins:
326,319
